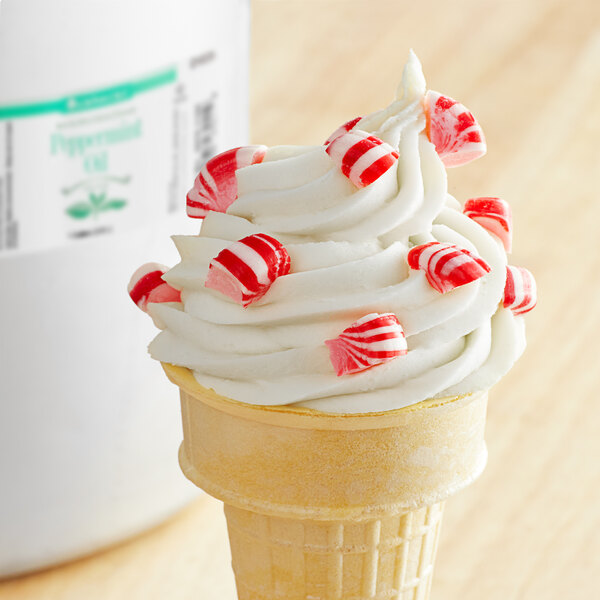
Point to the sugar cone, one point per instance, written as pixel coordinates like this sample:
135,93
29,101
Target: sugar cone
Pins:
324,506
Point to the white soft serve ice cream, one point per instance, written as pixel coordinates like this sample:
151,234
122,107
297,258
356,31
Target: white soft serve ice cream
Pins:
348,250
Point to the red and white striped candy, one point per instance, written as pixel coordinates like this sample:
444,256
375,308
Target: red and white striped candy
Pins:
342,129
146,285
453,130
447,266
362,157
520,291
215,187
246,270
372,340
493,214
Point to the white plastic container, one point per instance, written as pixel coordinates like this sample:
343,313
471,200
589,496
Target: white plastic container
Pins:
107,110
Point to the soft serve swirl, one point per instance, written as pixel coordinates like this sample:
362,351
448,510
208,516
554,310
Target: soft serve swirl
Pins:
348,251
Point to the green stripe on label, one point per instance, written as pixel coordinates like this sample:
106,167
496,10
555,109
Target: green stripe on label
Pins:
91,100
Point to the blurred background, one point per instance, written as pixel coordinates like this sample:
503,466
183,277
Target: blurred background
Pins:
107,111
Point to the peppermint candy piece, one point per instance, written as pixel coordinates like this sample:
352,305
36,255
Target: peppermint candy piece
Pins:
342,129
447,266
146,285
493,214
246,270
215,187
520,291
362,157
372,340
453,130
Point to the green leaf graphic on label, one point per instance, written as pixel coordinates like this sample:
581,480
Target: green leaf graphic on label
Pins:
114,204
97,199
96,205
81,210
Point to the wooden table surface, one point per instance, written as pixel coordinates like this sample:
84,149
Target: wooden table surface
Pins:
530,71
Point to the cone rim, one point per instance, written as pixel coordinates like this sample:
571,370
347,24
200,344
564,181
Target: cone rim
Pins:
308,418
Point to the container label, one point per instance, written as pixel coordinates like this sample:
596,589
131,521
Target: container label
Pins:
105,160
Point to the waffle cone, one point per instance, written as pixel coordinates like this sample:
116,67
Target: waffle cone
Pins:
326,506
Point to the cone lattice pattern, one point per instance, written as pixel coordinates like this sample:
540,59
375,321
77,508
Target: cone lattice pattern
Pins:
293,559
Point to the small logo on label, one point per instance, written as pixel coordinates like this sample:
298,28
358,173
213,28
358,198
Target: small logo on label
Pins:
96,199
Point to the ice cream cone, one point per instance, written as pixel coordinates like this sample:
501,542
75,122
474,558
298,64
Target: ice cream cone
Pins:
326,506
